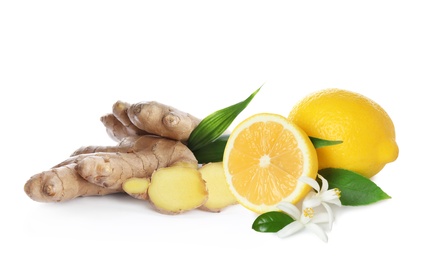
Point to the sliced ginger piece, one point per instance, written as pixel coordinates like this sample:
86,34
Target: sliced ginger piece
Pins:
137,187
177,189
219,194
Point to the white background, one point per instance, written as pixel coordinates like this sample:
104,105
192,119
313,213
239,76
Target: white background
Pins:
64,63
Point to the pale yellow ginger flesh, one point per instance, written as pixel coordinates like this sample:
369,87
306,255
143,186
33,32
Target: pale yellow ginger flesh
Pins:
219,194
137,187
177,189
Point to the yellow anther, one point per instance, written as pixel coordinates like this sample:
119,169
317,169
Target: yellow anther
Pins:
337,192
308,212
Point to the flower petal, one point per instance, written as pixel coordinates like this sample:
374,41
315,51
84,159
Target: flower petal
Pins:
290,229
316,229
330,215
325,184
311,202
320,218
289,209
336,201
310,181
330,196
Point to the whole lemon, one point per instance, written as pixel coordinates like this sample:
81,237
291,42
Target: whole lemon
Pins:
365,129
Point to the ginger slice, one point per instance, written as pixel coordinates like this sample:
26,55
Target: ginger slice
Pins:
219,194
137,187
177,189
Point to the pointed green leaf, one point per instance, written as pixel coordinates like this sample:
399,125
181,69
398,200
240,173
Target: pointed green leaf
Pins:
214,125
272,221
317,142
212,152
355,189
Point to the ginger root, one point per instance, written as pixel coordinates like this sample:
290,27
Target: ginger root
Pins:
148,118
108,170
150,162
61,184
174,123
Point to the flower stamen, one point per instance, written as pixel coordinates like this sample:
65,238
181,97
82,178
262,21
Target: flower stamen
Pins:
337,192
308,212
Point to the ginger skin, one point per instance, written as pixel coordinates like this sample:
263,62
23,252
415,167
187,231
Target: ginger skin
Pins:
148,118
118,124
115,129
120,111
61,184
174,124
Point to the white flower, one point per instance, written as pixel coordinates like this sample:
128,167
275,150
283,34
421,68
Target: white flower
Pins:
305,219
323,196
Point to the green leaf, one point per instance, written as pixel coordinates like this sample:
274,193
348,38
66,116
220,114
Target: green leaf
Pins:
272,221
317,142
212,152
214,125
355,189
